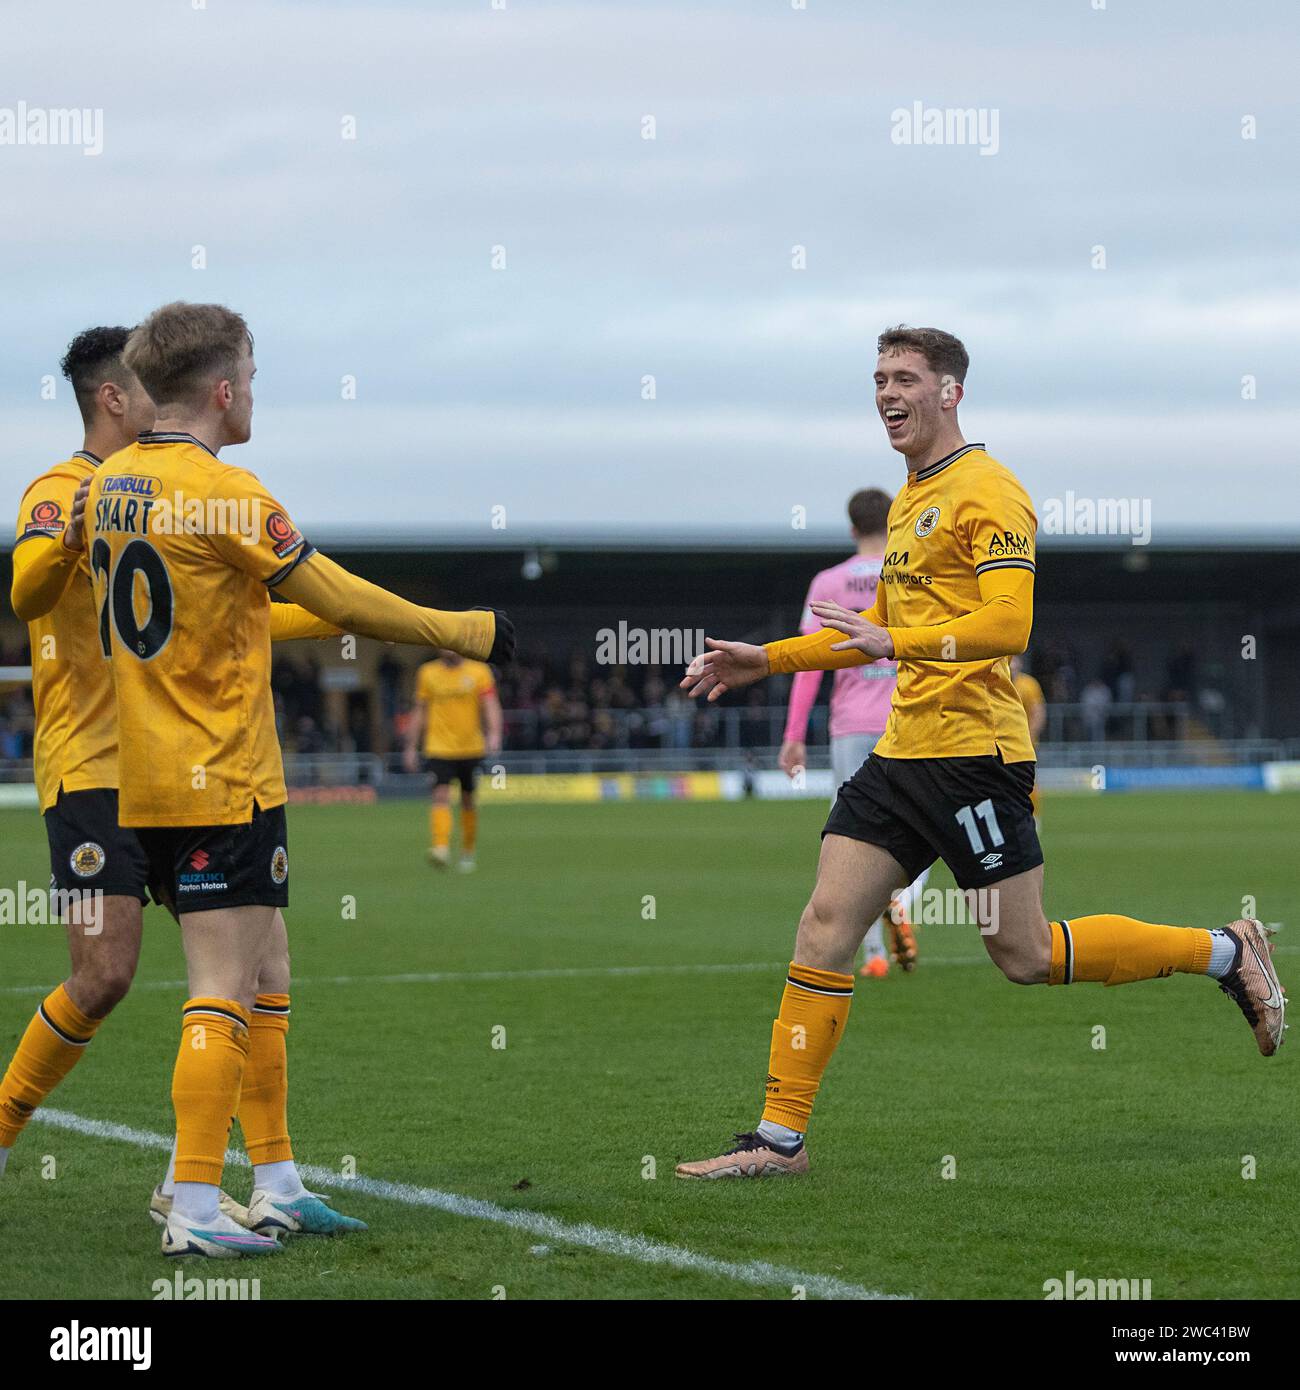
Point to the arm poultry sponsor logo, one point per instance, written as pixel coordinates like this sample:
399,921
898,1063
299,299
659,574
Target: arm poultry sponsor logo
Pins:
1005,543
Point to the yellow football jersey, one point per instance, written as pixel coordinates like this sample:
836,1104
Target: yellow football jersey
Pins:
452,696
183,549
962,518
72,682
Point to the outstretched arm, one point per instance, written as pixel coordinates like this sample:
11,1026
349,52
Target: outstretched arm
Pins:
355,605
1000,626
288,622
824,650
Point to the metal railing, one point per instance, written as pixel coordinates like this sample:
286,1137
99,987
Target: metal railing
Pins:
732,738
737,727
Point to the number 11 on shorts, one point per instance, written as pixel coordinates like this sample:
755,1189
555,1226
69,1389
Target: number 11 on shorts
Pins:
966,819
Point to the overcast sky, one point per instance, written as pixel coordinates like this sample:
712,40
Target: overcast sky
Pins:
522,127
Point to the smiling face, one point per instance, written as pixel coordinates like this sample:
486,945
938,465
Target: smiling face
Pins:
917,406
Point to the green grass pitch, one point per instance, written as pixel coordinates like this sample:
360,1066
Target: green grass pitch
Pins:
1122,1162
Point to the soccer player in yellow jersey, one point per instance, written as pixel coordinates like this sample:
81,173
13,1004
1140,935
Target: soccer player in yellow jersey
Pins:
98,868
950,777
1031,696
459,715
184,552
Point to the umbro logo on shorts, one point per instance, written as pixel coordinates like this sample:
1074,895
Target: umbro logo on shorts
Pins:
992,861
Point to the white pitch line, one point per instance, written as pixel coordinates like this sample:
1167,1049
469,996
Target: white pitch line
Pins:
759,1273
452,977
582,972
444,977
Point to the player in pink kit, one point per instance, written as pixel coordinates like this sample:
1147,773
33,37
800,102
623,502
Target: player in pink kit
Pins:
860,702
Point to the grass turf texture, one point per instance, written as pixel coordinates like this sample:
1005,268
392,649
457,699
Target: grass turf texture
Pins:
1117,1163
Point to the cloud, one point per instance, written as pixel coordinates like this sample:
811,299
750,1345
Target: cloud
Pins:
522,128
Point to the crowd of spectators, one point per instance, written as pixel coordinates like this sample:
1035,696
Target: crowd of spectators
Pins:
570,702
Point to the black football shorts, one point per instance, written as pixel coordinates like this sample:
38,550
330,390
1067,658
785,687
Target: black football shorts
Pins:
445,771
195,868
89,851
973,813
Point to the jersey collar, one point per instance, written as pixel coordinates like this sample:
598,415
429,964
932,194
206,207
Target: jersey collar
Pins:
92,459
932,468
172,437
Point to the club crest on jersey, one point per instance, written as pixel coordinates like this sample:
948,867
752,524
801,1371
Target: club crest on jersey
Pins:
285,537
926,522
46,520
279,865
87,859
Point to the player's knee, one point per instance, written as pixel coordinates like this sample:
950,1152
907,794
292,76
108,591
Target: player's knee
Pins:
1024,960
819,942
98,991
275,975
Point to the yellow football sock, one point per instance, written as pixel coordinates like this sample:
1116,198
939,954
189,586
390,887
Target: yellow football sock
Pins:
1119,950
52,1045
206,1085
440,825
814,1010
264,1096
468,830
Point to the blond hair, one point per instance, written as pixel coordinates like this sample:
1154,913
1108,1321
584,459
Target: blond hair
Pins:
182,350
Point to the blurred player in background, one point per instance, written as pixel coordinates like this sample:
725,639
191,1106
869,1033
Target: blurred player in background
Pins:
860,699
458,713
1035,703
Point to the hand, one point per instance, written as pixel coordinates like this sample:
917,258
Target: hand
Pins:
74,537
793,756
863,636
503,644
492,745
727,666
410,761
